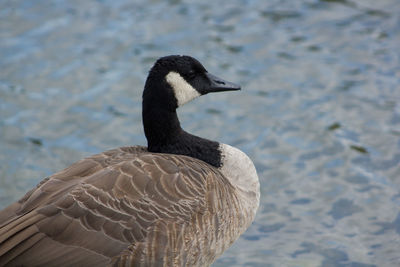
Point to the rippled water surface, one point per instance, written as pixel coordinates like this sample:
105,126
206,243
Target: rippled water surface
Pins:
319,112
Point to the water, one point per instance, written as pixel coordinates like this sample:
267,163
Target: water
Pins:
319,112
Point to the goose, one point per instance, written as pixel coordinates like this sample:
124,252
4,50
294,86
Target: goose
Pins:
180,201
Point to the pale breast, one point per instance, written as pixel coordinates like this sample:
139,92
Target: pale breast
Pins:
238,168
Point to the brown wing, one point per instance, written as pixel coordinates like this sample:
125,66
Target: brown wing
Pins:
125,205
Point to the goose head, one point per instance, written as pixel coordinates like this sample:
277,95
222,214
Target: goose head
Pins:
175,80
172,82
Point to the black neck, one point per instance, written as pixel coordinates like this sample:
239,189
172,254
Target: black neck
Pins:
165,135
161,126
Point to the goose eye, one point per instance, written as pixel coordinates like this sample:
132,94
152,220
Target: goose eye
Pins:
191,75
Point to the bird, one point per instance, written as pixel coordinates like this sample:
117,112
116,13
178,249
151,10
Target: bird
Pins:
180,201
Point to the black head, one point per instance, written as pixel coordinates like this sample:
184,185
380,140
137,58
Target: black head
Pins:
175,80
172,82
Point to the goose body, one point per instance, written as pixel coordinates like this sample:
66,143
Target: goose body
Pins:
180,201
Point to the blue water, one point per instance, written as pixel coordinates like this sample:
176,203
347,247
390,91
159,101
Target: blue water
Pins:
319,112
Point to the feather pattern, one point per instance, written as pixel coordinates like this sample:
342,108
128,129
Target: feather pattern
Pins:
133,208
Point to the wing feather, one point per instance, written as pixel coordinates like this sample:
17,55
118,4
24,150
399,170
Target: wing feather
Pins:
124,205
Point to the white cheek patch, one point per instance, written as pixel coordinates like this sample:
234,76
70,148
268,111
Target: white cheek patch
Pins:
183,91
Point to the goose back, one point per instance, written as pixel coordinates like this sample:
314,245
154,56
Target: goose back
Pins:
127,207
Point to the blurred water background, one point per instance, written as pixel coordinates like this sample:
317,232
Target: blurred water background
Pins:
319,112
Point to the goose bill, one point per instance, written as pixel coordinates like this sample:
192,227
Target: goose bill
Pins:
219,85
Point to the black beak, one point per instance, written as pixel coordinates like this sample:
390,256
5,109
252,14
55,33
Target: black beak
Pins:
219,85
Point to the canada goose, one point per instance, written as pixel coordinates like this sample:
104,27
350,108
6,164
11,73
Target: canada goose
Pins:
181,201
